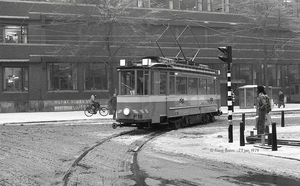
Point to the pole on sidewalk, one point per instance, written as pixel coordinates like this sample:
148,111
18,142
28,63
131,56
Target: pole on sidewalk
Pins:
274,137
270,139
242,137
282,118
230,134
244,121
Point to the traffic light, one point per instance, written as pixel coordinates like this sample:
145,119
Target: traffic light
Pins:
226,55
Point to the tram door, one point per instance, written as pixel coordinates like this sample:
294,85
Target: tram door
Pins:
163,93
158,95
171,94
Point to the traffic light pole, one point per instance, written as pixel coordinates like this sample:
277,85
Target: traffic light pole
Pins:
229,94
230,106
227,58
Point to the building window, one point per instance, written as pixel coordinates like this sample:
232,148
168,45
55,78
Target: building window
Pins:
15,79
143,3
209,5
158,4
171,4
95,76
15,34
62,76
200,5
188,5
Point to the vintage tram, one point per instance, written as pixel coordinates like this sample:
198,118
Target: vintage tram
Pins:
156,91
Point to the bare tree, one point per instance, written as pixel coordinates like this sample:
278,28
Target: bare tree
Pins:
268,21
103,29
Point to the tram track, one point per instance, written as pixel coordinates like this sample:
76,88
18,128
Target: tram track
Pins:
114,168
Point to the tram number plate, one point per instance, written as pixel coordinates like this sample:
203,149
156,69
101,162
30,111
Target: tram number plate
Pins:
138,116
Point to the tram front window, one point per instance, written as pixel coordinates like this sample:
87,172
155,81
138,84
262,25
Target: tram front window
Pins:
127,83
140,83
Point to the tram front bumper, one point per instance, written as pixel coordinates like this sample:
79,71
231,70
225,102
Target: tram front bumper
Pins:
133,121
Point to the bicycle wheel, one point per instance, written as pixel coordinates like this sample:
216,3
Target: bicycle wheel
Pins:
103,111
88,111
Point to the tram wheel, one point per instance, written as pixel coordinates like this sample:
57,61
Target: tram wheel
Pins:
212,118
184,122
205,118
115,125
140,127
175,124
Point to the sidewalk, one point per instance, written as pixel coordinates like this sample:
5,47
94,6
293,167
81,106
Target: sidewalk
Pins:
25,117
35,117
288,107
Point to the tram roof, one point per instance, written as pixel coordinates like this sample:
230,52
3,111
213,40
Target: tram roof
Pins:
168,64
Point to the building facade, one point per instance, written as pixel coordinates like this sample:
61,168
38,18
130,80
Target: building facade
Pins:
50,61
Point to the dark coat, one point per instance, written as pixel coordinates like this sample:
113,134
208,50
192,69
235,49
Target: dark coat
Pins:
113,102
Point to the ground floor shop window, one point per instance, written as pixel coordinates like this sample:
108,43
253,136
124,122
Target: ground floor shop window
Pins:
95,76
15,78
62,76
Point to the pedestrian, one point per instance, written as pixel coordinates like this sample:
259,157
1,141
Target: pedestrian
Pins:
113,105
281,99
263,107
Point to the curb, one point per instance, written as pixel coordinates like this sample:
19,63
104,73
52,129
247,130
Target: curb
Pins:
276,112
53,121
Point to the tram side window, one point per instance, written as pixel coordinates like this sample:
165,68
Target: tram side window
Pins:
192,86
181,85
210,86
163,83
172,85
127,83
155,82
202,87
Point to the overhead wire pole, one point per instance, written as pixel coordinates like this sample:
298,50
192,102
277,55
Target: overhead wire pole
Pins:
227,57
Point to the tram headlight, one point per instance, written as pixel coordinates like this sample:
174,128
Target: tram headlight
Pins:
126,111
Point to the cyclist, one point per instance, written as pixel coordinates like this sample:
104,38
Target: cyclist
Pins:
94,103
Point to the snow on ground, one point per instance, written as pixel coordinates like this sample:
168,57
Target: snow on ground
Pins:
204,143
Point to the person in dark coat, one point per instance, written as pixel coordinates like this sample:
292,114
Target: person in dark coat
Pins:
281,100
113,105
262,107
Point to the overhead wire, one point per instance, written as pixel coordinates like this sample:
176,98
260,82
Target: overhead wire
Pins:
218,32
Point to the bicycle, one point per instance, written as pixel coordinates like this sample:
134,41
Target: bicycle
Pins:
89,111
